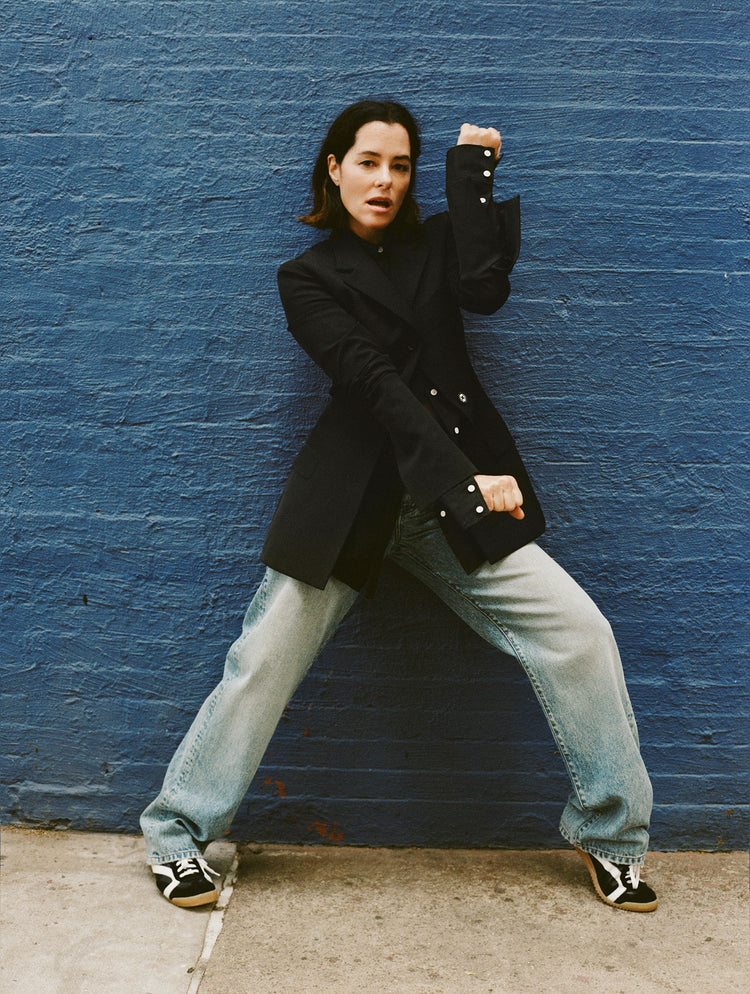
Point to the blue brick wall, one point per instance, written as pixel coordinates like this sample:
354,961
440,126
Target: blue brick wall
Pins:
152,158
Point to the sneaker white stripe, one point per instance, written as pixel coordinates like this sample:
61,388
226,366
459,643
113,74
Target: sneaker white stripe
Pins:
165,871
616,875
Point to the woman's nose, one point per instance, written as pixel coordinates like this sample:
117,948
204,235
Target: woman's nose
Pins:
384,177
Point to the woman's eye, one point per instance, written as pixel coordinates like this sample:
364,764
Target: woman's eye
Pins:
402,167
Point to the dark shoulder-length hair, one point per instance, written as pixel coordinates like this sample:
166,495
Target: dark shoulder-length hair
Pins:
327,210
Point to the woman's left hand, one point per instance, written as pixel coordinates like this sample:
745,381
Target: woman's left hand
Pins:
470,134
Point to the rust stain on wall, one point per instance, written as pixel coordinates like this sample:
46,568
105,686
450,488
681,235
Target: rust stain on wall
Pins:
332,833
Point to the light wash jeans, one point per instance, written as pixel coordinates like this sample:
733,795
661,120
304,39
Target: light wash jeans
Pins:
525,605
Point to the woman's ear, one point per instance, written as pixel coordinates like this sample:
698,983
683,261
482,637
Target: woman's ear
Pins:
334,170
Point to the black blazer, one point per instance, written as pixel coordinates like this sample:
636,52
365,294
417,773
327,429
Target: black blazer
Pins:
406,408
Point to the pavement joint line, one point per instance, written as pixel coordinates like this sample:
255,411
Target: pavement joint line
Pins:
214,926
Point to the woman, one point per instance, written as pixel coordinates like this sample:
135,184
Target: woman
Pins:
409,460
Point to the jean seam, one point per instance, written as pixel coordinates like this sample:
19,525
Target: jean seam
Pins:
187,766
396,533
522,660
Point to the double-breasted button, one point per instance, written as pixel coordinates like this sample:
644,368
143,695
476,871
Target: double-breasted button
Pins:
456,430
462,398
479,508
442,514
433,392
380,249
487,173
487,152
482,200
471,488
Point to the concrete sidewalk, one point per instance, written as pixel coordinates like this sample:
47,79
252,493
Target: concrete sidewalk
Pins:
81,915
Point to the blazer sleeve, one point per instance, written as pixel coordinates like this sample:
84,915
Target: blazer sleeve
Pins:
486,235
429,463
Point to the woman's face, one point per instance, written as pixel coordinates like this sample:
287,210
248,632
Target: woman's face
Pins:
373,177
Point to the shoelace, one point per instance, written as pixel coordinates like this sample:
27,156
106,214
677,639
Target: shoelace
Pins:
632,876
194,864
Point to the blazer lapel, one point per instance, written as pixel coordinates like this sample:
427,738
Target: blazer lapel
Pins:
362,273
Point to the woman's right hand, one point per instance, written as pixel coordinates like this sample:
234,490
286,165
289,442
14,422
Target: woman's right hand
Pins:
501,493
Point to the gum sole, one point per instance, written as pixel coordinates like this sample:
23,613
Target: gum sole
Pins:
196,901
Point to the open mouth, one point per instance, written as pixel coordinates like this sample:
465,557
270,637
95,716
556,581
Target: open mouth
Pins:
379,203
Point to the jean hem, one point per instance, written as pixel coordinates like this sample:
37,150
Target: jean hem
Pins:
173,857
608,854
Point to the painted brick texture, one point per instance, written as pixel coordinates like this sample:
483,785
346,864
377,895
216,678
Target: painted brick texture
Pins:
153,157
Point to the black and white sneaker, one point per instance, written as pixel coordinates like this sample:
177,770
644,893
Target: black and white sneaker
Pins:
619,884
186,882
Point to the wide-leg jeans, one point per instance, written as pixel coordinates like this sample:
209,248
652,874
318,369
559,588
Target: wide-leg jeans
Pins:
525,605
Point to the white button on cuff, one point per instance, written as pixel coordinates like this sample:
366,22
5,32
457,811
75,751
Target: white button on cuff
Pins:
456,431
442,514
479,509
380,249
471,488
482,200
462,398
